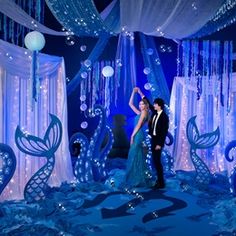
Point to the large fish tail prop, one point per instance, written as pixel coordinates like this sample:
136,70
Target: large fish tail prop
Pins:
198,141
37,147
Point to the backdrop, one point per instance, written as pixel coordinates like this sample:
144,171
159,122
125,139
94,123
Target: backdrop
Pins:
18,108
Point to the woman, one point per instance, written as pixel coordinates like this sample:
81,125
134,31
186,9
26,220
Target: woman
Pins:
137,170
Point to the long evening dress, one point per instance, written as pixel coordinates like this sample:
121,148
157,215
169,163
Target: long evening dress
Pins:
137,170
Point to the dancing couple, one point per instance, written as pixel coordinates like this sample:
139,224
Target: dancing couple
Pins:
158,124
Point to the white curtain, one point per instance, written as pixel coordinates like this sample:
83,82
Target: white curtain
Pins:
17,108
210,115
169,18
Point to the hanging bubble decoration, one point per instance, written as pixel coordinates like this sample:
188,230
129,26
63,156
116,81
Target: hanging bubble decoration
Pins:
70,40
146,70
84,75
162,48
34,41
147,86
84,125
82,98
158,61
169,49
107,71
194,6
83,48
87,63
149,51
118,62
83,107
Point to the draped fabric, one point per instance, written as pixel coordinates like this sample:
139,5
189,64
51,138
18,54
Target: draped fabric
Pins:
81,17
225,15
11,30
97,89
156,77
184,104
17,108
13,11
207,58
206,89
125,71
93,56
114,91
111,16
170,18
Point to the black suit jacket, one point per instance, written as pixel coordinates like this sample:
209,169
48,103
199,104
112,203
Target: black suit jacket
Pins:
161,126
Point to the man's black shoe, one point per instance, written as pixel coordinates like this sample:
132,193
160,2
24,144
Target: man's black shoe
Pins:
158,186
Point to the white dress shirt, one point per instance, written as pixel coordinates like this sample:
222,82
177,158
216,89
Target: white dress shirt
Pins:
155,124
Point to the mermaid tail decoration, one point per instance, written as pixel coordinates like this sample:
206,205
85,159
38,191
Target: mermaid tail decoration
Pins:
35,146
7,165
91,163
198,141
231,147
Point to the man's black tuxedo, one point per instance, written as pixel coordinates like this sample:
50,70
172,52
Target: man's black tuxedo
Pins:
162,126
161,130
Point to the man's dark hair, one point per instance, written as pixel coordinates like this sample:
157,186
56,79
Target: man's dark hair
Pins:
160,102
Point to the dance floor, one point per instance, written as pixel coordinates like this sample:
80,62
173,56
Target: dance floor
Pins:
99,209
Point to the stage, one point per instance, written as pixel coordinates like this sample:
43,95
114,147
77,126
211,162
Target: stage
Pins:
103,209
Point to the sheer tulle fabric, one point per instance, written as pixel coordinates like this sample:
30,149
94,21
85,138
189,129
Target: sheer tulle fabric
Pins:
17,108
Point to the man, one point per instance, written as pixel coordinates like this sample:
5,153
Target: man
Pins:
158,129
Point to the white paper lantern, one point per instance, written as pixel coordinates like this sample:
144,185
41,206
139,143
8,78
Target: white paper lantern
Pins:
107,71
34,41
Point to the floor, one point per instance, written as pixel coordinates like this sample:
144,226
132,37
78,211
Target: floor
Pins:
104,209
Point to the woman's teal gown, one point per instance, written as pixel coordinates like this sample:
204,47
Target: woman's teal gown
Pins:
137,170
